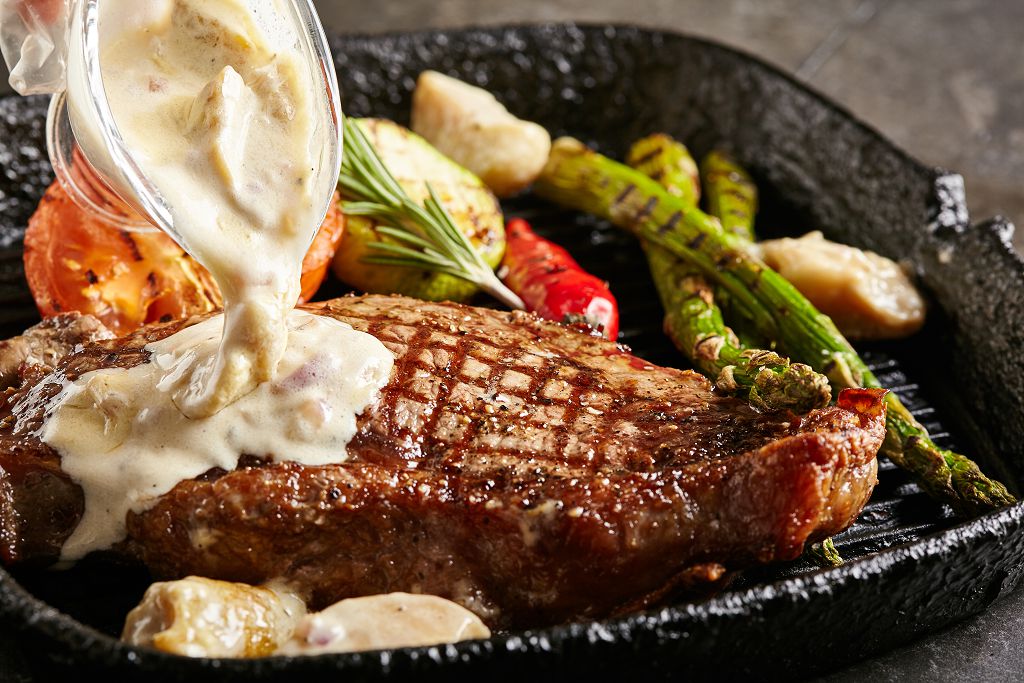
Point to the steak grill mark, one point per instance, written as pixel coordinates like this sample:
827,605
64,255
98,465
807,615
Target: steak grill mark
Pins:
481,389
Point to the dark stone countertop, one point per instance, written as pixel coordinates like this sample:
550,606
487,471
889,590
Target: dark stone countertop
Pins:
944,79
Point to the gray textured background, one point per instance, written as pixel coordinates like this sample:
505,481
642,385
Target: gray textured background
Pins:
944,79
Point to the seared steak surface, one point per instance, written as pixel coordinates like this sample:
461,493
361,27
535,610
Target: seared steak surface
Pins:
43,345
528,471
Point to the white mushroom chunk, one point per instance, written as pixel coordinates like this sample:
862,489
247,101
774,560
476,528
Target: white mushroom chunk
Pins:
199,617
378,622
867,296
469,125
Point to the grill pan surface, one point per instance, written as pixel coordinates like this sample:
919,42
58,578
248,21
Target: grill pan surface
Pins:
911,567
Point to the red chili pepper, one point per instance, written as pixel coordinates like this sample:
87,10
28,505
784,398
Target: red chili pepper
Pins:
553,285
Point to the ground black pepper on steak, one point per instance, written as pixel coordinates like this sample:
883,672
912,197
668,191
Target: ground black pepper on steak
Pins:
530,472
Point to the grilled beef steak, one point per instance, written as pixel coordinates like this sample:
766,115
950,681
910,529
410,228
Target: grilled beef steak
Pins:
43,345
528,471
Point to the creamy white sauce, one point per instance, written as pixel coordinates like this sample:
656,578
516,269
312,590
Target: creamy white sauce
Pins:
220,111
124,439
216,104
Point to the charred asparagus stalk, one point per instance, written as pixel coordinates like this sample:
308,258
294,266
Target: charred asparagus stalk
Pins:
731,197
582,179
731,193
668,161
693,320
695,325
825,553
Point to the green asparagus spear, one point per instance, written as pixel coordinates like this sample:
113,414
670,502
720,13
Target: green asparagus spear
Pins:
692,319
731,197
825,553
688,298
582,179
690,303
665,159
695,325
731,193
728,187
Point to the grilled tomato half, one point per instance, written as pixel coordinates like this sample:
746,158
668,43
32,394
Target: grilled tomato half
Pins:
77,262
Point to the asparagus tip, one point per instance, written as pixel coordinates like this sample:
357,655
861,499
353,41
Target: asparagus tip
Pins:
825,553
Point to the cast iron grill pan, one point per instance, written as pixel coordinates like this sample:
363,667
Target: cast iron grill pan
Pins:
911,566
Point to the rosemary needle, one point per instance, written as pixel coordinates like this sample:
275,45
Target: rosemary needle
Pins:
422,236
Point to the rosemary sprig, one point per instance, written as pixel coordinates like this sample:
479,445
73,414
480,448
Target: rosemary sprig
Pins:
423,236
